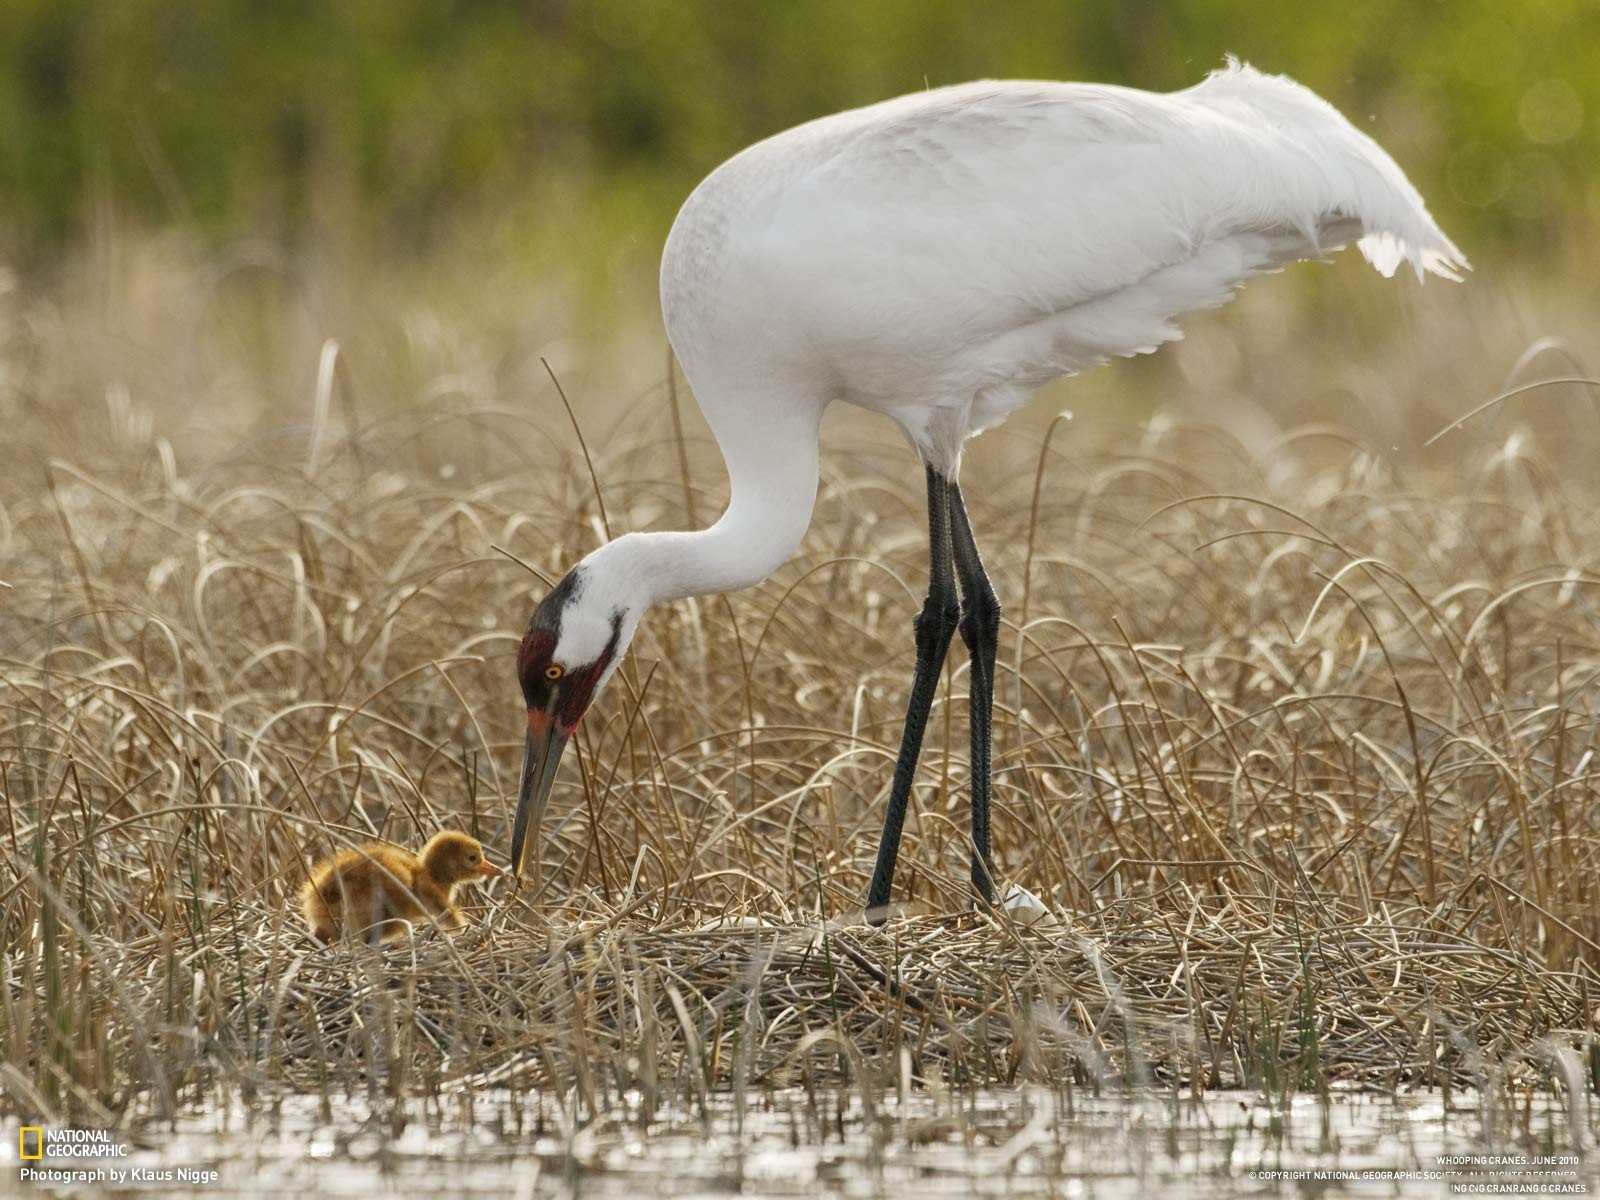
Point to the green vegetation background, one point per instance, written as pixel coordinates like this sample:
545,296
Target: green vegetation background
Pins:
413,119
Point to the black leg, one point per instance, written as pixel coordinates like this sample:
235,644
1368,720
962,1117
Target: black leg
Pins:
980,629
935,626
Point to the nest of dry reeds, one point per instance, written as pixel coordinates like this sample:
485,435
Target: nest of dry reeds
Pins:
1296,744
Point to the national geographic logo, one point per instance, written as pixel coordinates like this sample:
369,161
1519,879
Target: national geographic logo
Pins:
93,1158
35,1142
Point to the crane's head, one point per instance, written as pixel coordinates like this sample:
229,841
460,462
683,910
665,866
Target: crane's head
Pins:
574,642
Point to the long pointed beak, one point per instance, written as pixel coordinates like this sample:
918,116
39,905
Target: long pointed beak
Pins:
488,870
541,754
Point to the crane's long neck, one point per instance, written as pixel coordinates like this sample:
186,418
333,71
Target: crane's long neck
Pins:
772,465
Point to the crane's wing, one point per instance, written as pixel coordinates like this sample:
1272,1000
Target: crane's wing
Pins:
1018,231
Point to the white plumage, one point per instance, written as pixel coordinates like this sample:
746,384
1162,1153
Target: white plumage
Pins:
936,258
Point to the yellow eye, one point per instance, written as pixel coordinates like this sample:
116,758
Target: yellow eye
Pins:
552,672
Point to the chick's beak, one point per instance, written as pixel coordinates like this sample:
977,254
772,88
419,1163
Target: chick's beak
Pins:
488,870
541,754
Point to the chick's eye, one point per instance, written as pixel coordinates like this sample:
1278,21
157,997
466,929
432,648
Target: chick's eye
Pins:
553,671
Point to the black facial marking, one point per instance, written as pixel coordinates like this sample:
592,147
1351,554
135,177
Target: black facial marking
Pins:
548,615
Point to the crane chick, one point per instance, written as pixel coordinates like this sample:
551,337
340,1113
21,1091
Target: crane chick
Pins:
380,891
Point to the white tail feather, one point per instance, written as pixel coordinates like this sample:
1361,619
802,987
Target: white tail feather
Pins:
1338,171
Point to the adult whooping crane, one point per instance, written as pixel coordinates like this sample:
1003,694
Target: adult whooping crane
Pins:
936,258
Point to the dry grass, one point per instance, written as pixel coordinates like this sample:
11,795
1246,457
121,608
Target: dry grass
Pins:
1299,743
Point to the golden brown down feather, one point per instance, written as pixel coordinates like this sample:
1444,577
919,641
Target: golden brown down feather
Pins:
381,891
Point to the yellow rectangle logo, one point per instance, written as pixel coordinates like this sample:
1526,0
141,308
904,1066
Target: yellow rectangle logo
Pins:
38,1142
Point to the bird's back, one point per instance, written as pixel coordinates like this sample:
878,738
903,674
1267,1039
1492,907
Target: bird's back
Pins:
358,887
938,255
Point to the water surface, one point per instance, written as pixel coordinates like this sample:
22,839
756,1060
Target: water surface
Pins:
998,1142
